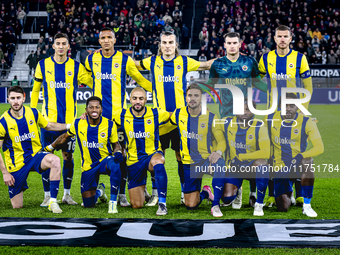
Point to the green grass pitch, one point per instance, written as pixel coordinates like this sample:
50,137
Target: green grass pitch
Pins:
325,201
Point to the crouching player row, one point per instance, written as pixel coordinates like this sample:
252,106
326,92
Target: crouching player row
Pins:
20,142
97,139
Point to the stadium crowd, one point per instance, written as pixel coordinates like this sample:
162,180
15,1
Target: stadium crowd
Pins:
315,27
135,23
12,20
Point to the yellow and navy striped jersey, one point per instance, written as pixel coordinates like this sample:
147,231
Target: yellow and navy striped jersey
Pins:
21,139
60,85
246,143
169,83
141,133
285,71
94,141
109,79
291,138
196,134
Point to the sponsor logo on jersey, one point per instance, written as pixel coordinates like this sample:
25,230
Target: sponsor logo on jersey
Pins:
105,76
281,76
244,68
149,121
284,140
240,145
69,73
139,134
236,81
60,85
24,137
102,134
31,122
93,145
192,135
168,78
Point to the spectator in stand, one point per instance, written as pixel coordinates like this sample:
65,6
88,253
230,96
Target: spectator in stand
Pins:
32,61
21,14
337,55
317,33
324,57
331,59
221,52
203,34
185,36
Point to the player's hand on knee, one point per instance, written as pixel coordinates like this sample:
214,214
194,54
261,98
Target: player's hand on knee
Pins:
214,157
296,161
9,179
118,157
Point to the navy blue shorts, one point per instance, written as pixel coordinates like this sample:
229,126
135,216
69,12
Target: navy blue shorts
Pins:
236,178
48,137
282,186
193,174
137,172
21,175
90,178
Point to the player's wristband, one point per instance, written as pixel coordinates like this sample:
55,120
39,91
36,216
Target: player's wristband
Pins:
49,148
219,152
68,126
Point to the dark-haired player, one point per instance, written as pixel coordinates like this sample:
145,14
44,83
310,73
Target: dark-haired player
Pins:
242,72
98,141
59,77
109,68
290,152
20,142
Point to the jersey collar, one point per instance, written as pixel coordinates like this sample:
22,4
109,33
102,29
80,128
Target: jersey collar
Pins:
193,116
87,119
57,62
168,60
101,53
146,109
23,114
290,51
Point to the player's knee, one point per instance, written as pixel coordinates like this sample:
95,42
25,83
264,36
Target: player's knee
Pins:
158,160
307,163
260,162
136,204
17,206
191,207
55,162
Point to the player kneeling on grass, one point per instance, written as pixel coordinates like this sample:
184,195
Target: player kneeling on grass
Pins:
20,142
289,135
197,131
97,139
140,125
248,148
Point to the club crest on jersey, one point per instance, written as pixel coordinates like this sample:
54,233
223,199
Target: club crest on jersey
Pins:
250,137
203,125
178,67
31,122
102,134
116,65
244,68
69,73
291,65
149,121
296,131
